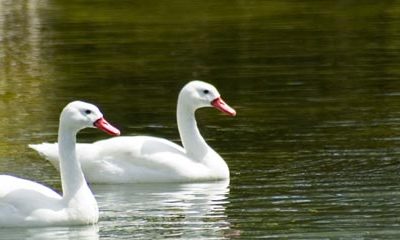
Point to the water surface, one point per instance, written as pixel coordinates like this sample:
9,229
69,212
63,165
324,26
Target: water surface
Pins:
313,151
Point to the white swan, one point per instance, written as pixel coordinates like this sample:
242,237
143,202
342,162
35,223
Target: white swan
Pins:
27,203
150,159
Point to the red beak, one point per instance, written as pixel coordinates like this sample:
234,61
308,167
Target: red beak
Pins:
219,104
103,125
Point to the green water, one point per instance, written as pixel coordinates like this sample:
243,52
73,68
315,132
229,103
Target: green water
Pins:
313,152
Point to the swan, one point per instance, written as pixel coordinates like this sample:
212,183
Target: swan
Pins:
144,159
27,203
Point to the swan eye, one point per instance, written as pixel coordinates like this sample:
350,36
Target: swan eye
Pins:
88,111
206,91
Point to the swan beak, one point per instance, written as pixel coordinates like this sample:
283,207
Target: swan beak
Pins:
103,125
221,105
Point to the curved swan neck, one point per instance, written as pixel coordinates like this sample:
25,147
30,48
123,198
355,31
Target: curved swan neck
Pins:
72,178
192,141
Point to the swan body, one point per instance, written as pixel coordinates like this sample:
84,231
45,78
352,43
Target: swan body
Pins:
27,203
140,159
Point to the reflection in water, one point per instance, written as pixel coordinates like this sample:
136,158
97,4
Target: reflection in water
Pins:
51,233
21,59
315,151
24,79
184,210
20,38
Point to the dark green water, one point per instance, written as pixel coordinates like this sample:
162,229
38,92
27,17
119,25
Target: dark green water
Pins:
314,150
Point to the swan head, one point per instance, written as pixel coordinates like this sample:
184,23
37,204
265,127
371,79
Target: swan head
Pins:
78,115
200,94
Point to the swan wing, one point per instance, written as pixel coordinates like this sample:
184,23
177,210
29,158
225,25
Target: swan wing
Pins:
22,200
131,159
49,151
139,159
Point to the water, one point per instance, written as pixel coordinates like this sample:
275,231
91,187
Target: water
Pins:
313,151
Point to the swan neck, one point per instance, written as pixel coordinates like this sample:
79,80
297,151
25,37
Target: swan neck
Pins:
192,141
72,178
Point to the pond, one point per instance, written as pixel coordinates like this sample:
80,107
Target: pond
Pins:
313,151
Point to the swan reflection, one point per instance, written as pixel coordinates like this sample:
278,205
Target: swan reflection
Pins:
195,209
89,232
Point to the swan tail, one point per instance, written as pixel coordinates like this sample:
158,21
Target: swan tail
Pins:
49,151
